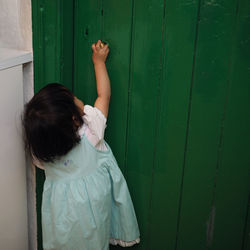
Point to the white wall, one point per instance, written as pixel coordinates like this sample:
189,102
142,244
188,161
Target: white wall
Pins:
16,33
13,191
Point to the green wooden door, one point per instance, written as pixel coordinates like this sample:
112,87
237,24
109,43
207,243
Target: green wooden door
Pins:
179,121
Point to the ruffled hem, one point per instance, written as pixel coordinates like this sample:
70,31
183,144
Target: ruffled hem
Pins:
122,243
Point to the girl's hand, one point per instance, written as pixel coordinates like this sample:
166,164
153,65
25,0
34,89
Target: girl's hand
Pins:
99,53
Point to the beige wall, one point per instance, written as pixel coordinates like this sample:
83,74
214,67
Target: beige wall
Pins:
15,24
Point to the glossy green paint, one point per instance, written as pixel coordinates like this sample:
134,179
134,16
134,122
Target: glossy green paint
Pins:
87,31
179,113
177,63
209,90
232,196
118,35
52,24
146,60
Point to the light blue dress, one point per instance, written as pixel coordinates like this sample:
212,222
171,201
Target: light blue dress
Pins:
86,201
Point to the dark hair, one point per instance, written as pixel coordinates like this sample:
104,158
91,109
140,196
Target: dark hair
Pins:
49,128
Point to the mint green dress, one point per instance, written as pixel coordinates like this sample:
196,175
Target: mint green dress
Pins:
86,202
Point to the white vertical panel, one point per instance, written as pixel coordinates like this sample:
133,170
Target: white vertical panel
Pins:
13,200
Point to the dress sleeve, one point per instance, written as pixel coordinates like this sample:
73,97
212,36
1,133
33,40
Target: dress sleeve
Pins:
96,122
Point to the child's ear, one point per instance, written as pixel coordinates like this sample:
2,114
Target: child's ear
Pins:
76,122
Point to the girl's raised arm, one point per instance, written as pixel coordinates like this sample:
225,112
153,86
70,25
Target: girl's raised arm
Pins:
102,79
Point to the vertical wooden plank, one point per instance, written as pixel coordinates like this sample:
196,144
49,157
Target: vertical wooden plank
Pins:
37,19
116,30
179,37
246,232
144,78
214,27
67,43
87,32
52,23
233,182
38,46
51,40
40,178
41,75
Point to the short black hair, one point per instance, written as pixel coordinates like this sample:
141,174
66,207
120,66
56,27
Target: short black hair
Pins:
49,128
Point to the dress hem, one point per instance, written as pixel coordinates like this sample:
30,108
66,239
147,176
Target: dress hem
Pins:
122,243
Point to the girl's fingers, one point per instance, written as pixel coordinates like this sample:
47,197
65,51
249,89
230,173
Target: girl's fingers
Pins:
97,47
93,46
98,44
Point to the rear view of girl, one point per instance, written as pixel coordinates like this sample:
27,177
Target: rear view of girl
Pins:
86,203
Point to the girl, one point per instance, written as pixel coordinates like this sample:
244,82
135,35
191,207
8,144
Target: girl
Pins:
86,203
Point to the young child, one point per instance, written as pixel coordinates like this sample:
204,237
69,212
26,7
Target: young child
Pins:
86,202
